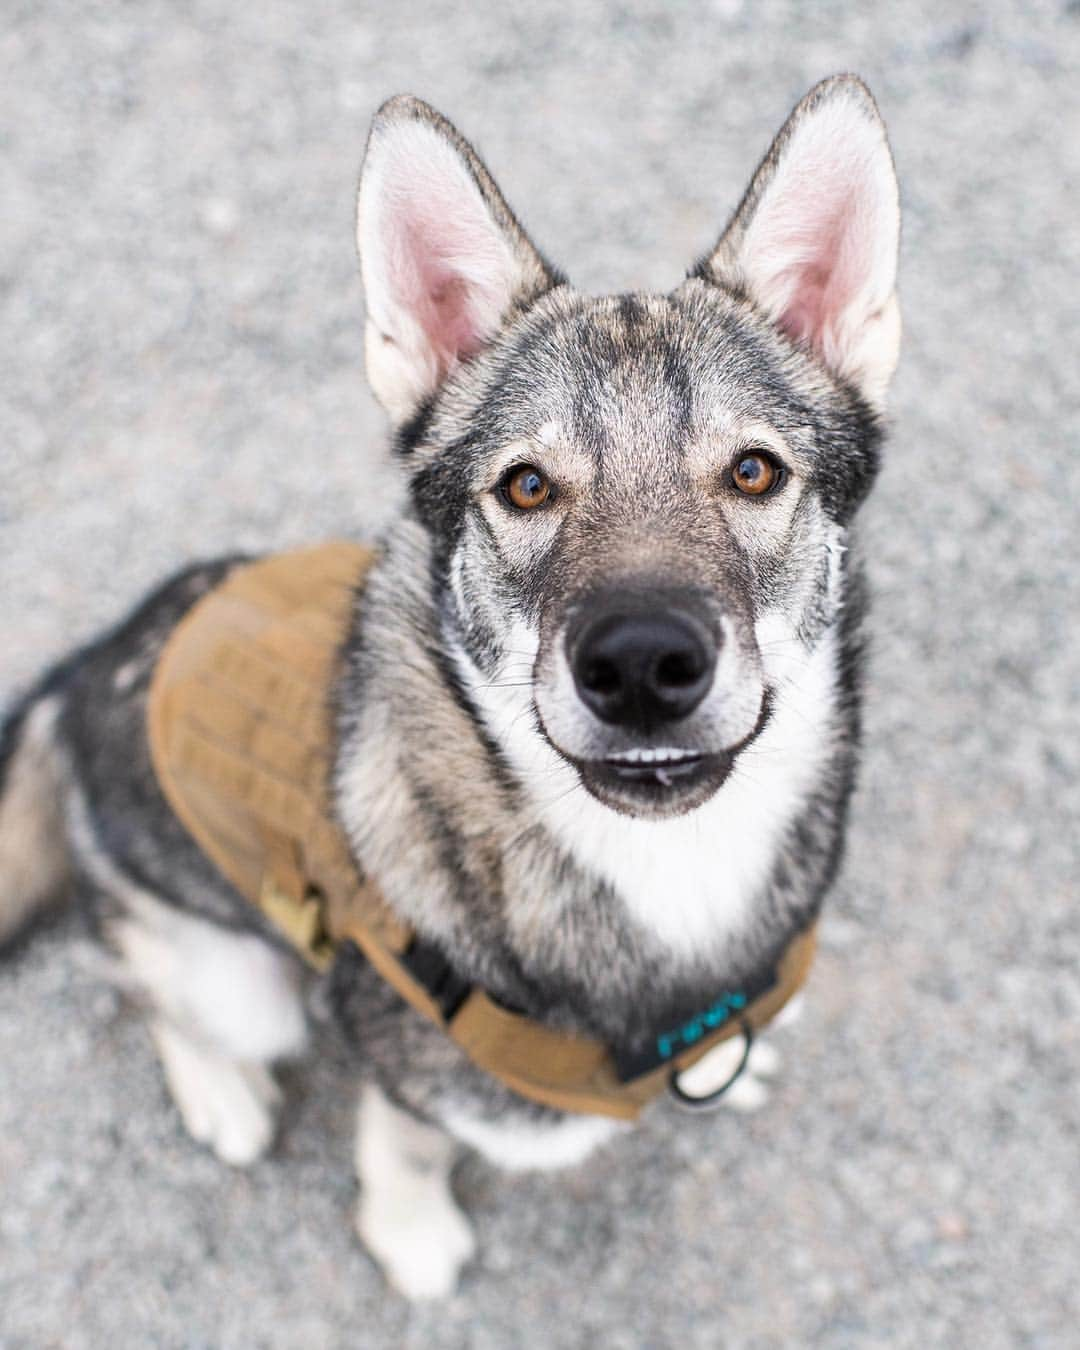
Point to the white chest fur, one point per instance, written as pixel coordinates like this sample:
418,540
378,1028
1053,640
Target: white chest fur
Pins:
692,880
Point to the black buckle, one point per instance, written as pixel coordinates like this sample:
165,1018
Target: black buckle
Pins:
427,965
712,1099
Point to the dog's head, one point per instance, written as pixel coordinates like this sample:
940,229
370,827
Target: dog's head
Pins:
637,504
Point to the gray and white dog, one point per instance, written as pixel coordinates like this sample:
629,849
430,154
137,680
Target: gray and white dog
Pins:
598,717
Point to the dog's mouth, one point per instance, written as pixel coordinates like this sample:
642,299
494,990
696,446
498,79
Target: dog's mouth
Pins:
660,766
655,782
663,781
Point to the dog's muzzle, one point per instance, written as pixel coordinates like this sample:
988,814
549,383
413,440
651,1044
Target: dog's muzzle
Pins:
653,699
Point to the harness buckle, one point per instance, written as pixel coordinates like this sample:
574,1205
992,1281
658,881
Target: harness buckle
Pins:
300,920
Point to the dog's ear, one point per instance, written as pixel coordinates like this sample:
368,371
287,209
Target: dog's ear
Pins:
814,242
442,257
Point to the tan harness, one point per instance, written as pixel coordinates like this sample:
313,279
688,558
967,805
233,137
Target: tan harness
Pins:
241,737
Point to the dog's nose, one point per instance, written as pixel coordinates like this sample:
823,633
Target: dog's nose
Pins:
641,670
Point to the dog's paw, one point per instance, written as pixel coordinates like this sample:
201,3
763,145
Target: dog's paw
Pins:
239,1115
230,1107
748,1093
421,1251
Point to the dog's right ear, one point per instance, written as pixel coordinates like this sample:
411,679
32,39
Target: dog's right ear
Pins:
442,257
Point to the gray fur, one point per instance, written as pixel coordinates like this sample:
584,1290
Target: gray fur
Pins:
639,402
33,856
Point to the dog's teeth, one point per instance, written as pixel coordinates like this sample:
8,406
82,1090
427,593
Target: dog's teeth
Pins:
652,756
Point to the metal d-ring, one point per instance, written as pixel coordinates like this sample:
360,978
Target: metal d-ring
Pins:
712,1099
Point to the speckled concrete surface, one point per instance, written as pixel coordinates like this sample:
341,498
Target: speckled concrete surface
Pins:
180,372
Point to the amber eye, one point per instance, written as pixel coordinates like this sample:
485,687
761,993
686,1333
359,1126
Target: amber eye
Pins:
755,474
526,487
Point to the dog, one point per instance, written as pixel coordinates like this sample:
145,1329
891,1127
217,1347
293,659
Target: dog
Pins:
596,719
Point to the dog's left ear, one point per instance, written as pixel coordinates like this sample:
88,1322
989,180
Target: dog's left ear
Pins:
814,242
443,259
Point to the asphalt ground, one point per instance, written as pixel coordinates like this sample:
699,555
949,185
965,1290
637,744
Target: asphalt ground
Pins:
180,374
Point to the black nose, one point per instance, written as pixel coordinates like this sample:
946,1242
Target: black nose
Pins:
643,669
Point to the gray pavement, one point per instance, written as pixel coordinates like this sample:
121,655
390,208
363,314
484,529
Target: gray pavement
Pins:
180,373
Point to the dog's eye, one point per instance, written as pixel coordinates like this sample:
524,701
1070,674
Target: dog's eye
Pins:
525,487
756,473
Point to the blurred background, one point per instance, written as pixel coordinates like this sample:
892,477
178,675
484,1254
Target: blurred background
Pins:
180,374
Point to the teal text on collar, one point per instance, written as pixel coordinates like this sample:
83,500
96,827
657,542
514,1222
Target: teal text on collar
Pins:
670,1043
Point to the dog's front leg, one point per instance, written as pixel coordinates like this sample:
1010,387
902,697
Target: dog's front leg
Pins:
407,1216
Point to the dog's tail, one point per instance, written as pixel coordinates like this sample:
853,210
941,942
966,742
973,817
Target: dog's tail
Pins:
33,849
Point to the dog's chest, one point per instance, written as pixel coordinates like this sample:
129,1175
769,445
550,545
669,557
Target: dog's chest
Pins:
691,883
